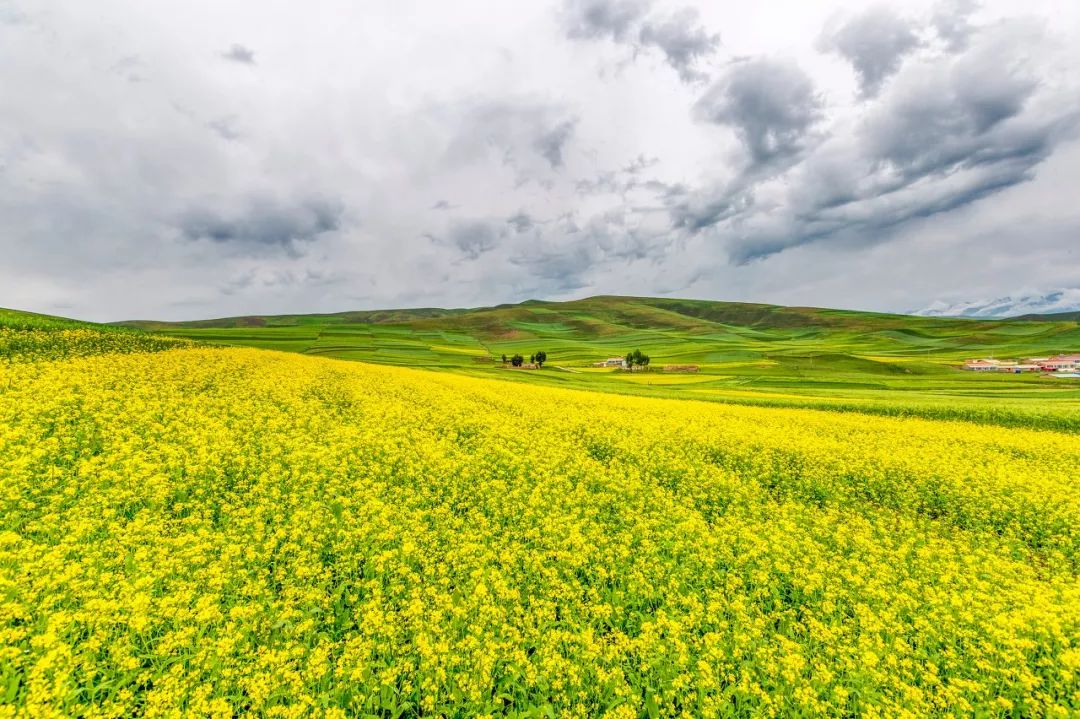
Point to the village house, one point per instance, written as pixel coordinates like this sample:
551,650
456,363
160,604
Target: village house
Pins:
611,362
1057,363
1061,362
982,365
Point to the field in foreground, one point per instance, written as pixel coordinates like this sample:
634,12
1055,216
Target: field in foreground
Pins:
212,532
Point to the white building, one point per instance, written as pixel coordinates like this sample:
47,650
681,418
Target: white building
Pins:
983,365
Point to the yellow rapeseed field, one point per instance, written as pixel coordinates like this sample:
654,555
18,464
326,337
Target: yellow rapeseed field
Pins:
223,532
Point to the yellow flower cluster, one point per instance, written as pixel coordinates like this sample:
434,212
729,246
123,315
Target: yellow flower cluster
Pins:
19,344
222,532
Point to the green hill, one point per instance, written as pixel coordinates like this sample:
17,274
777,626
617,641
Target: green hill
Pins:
19,320
682,330
31,337
747,353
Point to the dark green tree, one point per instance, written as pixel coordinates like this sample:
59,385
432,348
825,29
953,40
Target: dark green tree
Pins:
637,357
505,360
517,360
540,358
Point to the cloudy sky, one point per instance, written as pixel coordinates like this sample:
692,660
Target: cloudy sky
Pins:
184,160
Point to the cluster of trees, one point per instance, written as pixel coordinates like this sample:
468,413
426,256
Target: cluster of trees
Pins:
637,357
537,359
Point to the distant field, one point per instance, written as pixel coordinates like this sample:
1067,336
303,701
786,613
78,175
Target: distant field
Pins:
750,354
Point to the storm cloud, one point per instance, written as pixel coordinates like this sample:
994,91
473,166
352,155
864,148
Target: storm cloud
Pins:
510,129
595,19
952,129
875,42
239,53
680,36
263,222
770,103
683,40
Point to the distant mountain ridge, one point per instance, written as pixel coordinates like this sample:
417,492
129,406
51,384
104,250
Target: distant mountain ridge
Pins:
630,311
591,313
1058,305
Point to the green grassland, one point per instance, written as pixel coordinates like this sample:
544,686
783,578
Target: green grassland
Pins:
746,353
30,337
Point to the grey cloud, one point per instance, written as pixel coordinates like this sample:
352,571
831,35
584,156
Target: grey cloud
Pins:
130,68
521,221
623,180
472,237
12,16
874,42
605,182
550,144
948,132
952,22
593,19
514,128
271,278
938,126
225,128
565,254
770,103
680,36
639,164
699,210
683,40
239,53
263,223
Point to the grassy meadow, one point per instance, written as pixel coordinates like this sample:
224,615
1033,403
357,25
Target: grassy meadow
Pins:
196,530
748,354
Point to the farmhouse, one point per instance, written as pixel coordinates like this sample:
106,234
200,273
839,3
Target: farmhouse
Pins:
1058,363
611,362
982,365
1061,362
991,365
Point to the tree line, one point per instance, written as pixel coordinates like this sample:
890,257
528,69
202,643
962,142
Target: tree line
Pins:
517,360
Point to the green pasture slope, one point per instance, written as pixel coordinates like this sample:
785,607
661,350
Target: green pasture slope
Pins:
30,337
747,353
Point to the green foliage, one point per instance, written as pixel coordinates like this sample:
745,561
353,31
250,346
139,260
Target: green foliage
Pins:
637,357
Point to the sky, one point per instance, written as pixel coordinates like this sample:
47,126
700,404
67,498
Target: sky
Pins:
188,160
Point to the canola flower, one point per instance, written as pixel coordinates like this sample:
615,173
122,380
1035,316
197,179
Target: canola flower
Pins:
35,344
238,532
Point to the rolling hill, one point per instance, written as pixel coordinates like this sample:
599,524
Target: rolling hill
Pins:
745,353
683,330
